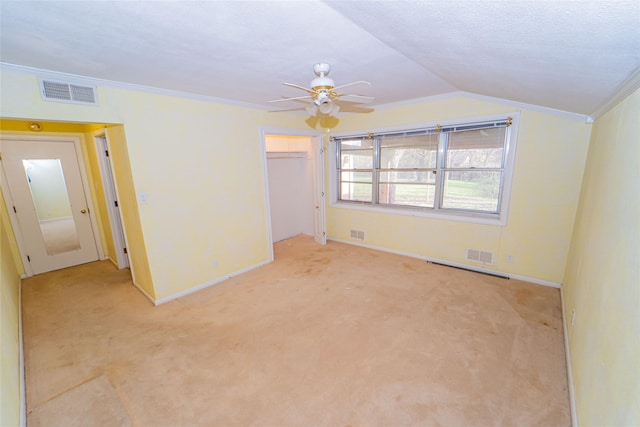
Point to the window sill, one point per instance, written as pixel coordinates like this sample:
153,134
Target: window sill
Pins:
476,218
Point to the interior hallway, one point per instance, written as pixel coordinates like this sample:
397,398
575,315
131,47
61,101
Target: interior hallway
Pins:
326,336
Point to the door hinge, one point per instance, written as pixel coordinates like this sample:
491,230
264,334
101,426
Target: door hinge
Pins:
106,153
115,202
28,259
125,250
323,194
324,234
14,209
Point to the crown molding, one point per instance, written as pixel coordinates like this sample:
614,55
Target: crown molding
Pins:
630,85
506,102
75,78
626,88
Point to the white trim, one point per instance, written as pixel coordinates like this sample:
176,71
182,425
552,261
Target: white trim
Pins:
567,352
101,143
264,131
626,88
75,78
209,283
451,264
507,102
23,374
265,189
141,289
117,191
15,225
534,280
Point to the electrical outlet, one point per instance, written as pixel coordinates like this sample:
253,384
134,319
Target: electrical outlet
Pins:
215,263
509,258
573,317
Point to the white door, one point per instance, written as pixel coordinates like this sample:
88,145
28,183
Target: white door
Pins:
113,209
320,234
46,188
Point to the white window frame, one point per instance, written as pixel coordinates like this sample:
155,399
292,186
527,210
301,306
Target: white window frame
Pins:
455,215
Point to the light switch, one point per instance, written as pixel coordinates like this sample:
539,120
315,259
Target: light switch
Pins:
142,197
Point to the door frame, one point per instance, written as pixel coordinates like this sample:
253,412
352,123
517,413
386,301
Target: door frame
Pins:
318,174
111,194
17,231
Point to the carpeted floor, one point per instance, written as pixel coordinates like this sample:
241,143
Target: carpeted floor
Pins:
325,336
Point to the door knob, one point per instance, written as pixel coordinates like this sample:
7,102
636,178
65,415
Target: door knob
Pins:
83,211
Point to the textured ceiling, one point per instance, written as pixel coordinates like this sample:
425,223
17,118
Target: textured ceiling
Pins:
566,55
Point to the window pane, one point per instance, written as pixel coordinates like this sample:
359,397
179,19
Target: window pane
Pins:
356,191
422,195
483,148
356,159
409,152
472,190
407,188
349,176
357,144
416,177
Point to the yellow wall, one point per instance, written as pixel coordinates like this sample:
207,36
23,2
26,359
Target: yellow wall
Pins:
200,165
602,282
136,246
9,325
549,163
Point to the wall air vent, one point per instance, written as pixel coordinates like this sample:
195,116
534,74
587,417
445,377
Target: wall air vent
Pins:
356,234
68,92
480,256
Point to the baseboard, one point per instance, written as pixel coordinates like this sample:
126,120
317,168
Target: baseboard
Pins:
453,264
567,352
141,289
114,262
210,283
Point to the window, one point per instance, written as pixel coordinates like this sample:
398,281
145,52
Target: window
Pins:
459,170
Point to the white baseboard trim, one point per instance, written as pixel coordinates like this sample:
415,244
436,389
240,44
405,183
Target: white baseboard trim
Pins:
534,280
567,352
453,264
114,262
149,297
210,283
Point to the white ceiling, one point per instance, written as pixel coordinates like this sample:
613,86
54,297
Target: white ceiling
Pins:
566,55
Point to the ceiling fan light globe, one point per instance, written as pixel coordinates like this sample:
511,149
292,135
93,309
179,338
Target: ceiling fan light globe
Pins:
326,107
312,110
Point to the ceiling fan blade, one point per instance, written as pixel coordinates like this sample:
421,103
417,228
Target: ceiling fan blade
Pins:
298,87
362,97
291,99
361,82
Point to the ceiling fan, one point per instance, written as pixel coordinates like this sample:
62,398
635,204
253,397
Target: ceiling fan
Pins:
323,93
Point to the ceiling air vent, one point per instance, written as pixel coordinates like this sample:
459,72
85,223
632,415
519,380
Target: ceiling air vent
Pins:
68,92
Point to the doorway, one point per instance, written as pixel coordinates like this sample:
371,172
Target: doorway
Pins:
295,186
111,201
46,189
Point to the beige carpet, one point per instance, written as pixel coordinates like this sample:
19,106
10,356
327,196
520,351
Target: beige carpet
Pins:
325,336
92,403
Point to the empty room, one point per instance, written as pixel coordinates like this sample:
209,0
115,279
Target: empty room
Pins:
320,213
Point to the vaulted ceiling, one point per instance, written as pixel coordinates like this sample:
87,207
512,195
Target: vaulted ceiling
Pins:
567,55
